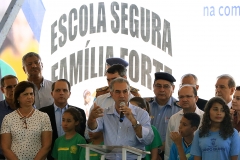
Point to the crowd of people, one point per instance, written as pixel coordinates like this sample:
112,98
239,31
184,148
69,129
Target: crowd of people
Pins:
38,123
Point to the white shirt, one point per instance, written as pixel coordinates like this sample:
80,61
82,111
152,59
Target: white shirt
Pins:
229,104
173,126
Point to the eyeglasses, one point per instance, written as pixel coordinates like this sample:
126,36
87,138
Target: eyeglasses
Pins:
165,86
187,96
10,87
24,122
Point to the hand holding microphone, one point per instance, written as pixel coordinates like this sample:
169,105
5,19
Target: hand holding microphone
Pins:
121,113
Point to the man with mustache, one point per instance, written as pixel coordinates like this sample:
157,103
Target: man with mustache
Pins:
32,66
163,105
133,129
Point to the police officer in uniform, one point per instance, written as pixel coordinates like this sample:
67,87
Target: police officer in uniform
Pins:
163,105
109,63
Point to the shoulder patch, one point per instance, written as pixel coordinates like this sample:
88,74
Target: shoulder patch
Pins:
149,99
102,89
176,104
132,89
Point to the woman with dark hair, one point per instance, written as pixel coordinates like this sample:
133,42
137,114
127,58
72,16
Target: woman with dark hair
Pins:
157,142
236,108
26,132
216,138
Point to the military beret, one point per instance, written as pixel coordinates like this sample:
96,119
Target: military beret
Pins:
165,76
112,61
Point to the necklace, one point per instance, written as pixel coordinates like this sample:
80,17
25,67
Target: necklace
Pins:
187,144
26,115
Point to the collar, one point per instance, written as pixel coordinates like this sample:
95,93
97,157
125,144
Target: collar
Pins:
176,104
170,102
186,144
197,111
108,95
6,105
181,112
229,104
42,84
56,107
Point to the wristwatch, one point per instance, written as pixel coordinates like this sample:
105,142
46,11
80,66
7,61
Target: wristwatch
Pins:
136,125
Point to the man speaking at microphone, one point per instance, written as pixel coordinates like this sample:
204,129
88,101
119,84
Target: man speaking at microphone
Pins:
134,130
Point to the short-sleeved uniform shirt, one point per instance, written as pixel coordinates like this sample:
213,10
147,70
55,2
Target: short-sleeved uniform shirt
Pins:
67,149
215,146
157,142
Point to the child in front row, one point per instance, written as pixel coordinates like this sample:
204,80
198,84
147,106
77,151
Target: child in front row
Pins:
216,138
65,147
180,149
96,139
157,142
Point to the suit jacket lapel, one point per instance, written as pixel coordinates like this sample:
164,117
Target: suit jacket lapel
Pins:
53,119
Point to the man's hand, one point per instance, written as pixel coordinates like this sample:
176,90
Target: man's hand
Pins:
96,112
127,112
177,139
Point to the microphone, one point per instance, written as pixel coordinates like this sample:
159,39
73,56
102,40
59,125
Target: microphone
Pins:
121,113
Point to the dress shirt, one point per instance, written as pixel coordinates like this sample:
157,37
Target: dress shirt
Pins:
4,110
161,115
43,96
173,126
122,133
229,105
58,116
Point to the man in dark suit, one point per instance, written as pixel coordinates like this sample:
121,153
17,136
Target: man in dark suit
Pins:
60,93
193,80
